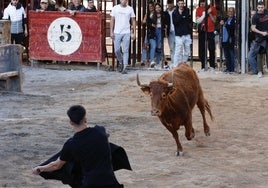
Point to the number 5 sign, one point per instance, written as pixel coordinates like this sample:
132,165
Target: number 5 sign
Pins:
62,37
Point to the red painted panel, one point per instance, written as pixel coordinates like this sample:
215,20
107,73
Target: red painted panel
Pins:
62,37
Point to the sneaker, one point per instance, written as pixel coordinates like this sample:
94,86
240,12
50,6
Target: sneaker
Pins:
120,66
259,74
158,66
211,69
166,67
124,71
203,70
143,63
252,73
152,64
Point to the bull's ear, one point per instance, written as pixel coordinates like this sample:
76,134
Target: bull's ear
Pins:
145,90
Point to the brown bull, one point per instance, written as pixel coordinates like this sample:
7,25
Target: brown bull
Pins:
173,97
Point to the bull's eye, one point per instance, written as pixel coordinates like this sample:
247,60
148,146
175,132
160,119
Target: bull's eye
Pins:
164,95
151,94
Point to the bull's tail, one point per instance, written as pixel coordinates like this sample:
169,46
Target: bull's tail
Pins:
207,108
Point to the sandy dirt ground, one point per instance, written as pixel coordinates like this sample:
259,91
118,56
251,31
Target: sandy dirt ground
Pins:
34,125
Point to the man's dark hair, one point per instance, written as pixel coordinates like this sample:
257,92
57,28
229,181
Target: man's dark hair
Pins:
76,114
170,1
260,3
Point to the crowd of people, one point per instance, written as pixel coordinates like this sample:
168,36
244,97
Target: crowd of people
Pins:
175,23
178,30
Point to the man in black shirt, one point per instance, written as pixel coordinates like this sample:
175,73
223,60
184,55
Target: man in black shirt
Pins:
260,28
90,149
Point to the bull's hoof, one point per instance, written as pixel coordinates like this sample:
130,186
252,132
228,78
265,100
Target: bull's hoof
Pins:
207,133
179,153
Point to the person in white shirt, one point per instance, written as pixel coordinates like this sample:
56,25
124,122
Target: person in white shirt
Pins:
171,34
121,15
17,16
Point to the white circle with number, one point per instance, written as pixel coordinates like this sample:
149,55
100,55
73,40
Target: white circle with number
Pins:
64,36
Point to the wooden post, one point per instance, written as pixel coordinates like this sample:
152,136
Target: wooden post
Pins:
5,37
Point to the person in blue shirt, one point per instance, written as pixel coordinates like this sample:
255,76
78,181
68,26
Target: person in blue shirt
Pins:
228,40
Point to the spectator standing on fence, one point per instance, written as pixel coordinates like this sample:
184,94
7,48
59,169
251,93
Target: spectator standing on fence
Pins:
228,40
91,7
206,18
120,31
182,22
260,28
171,33
90,149
149,21
17,16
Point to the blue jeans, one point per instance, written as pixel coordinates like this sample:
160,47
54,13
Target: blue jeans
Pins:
252,57
122,40
171,43
152,49
144,53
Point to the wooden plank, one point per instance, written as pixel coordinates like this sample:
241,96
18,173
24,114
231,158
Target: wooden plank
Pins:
6,75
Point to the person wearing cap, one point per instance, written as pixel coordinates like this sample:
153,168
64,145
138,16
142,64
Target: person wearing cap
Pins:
46,5
43,6
90,149
17,16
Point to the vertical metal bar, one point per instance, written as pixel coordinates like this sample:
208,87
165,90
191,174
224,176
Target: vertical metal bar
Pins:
191,46
139,31
220,35
238,34
206,34
134,58
243,33
162,36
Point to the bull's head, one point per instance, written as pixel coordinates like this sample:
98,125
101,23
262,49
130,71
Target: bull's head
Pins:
159,91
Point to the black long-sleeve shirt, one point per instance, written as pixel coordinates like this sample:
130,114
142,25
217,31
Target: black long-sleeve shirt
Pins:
182,22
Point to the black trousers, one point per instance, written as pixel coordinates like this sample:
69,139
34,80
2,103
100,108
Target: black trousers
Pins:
17,38
211,48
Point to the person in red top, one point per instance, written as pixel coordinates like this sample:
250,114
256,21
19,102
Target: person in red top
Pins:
201,19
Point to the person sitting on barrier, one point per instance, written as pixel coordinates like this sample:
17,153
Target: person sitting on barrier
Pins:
17,16
91,7
76,7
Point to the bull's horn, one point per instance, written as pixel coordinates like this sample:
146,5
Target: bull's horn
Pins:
170,84
138,81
